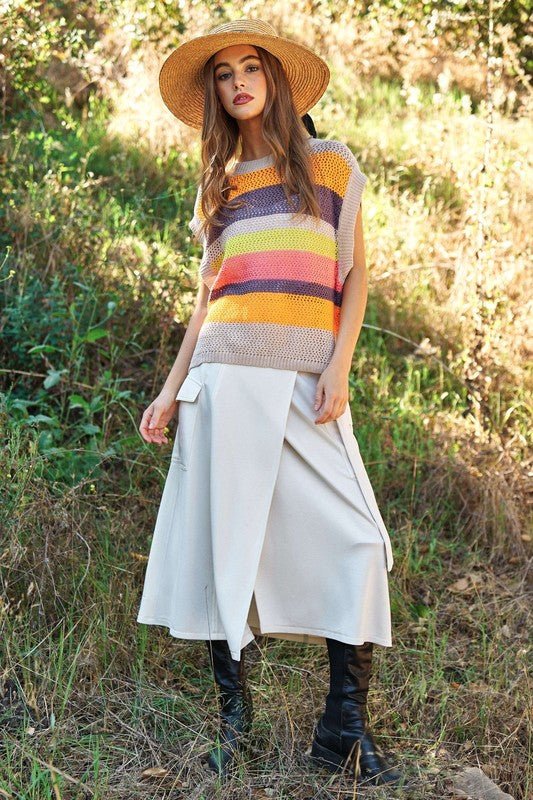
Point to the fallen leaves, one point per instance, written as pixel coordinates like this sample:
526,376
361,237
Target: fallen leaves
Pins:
154,772
459,586
466,584
162,774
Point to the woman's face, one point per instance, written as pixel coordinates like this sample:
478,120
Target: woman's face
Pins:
238,70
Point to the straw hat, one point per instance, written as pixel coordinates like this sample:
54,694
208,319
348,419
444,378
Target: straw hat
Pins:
181,81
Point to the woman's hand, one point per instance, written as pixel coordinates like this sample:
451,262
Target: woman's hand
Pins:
156,417
331,396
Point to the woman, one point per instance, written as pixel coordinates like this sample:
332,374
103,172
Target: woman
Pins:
268,523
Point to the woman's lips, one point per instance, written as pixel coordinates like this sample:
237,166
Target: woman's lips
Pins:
241,99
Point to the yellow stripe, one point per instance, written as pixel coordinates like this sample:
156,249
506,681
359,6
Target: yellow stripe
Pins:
281,239
300,311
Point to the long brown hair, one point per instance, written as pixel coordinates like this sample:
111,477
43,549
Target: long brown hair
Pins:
282,128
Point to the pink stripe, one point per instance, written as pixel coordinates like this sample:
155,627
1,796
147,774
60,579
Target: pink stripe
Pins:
290,264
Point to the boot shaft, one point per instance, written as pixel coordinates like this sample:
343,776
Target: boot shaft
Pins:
236,709
350,673
228,673
235,699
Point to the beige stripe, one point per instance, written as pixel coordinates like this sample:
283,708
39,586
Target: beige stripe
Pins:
264,345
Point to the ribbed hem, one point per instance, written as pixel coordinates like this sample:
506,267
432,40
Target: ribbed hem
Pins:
277,362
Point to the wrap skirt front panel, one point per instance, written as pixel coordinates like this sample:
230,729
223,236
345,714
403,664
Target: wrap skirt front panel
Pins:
268,523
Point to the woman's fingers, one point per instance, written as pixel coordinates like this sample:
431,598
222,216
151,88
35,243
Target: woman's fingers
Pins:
152,428
333,407
319,394
145,421
326,409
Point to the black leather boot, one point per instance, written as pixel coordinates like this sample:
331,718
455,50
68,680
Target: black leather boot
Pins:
342,737
235,706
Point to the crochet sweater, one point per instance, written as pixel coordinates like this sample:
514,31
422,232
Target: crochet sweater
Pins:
276,281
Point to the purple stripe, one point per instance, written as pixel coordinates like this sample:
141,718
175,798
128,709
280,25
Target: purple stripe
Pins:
271,200
279,285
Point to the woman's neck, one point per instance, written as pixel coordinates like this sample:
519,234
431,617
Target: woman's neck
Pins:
254,151
253,144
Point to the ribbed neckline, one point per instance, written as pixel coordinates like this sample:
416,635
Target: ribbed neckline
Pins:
256,163
241,167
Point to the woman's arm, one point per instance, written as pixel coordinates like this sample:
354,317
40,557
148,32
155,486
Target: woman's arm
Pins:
332,386
179,370
162,409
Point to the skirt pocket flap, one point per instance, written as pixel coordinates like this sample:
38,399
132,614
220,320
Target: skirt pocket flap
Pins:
189,389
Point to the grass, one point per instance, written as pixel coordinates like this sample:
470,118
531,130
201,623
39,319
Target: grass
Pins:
104,277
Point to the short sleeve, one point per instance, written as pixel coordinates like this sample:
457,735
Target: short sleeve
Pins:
206,271
348,214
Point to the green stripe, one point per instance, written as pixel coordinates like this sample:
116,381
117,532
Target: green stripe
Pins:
281,239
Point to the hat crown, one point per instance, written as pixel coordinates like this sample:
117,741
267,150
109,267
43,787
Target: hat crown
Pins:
245,26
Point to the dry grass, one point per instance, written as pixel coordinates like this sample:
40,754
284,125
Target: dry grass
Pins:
101,699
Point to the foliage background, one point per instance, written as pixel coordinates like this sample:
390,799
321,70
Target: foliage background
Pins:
98,277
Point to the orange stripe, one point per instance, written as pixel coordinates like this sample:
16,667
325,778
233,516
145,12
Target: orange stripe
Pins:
330,170
278,308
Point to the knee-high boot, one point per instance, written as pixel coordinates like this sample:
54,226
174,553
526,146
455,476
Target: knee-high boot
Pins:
342,737
235,705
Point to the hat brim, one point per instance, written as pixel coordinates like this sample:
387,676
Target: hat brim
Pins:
181,82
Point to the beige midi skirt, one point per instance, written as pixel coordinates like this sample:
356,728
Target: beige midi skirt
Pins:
268,523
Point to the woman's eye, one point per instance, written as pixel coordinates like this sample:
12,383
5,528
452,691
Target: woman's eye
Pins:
222,75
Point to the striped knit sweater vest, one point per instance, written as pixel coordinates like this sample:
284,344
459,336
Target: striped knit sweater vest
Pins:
276,281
